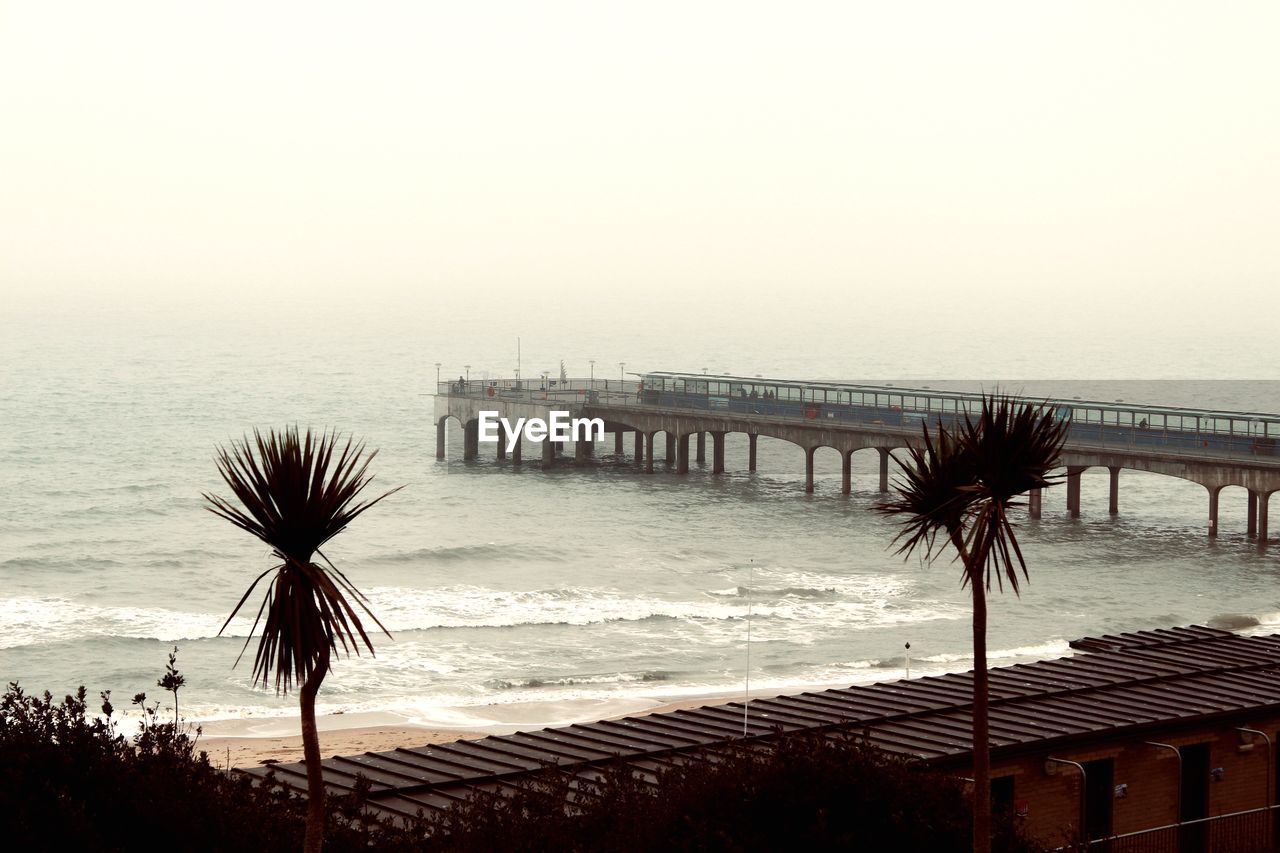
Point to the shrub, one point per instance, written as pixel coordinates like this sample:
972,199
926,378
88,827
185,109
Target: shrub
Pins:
806,792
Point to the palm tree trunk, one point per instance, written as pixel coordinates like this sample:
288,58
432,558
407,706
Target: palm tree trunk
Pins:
981,738
311,754
981,705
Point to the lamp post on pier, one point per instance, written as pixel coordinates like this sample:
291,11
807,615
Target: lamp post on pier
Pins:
592,362
468,368
437,376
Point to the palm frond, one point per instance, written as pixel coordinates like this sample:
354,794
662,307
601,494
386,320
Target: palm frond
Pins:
295,493
932,492
962,484
1014,446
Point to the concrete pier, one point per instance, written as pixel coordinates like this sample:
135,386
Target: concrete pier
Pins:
1213,511
1073,490
470,440
1247,455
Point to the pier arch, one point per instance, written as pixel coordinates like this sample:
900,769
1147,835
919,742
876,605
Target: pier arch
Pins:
823,461
442,433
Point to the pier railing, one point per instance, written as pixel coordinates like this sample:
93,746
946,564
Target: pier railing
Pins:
576,392
895,412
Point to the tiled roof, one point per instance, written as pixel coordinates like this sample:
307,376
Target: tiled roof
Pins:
1114,683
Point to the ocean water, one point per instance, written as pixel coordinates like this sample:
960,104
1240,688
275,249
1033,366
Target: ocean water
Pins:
502,586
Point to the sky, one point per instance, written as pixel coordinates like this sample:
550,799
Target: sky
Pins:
1098,162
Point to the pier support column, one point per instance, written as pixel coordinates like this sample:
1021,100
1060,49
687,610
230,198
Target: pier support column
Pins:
671,448
1213,511
846,472
548,453
442,438
1034,499
583,450
717,453
1113,505
1264,498
516,452
648,452
702,448
682,454
751,452
501,452
617,442
884,468
1073,490
1253,514
639,451
470,440
808,468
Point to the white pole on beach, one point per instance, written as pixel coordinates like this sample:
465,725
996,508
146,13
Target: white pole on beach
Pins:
746,686
908,660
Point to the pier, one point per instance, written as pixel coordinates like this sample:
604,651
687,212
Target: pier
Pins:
1214,449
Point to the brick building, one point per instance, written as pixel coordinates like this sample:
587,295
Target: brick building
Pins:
1150,741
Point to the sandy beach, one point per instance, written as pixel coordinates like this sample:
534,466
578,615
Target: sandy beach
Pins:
245,743
227,751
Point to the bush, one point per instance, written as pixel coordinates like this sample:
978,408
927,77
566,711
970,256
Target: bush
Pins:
808,792
69,780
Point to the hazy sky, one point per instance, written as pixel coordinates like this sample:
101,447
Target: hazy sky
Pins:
1084,152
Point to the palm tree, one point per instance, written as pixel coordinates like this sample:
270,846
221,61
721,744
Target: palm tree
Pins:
956,489
295,496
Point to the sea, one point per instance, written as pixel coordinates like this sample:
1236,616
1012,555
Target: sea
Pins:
506,587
